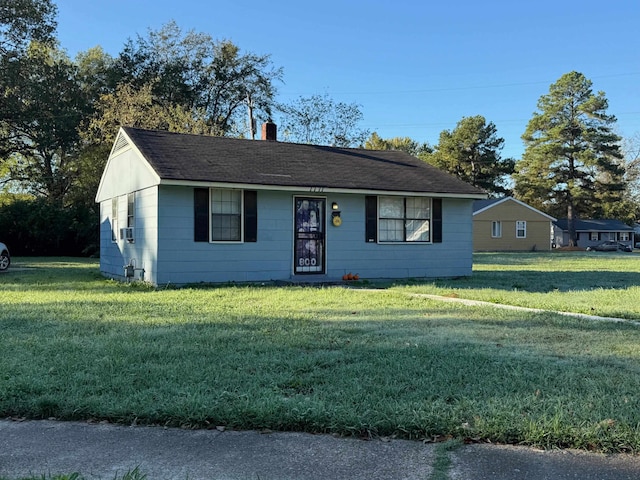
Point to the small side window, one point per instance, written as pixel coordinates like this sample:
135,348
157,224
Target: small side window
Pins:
114,219
496,229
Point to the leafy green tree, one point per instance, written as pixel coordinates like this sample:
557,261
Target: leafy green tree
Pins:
572,160
131,107
96,74
24,21
472,152
58,118
36,226
403,144
200,74
42,108
136,107
631,148
27,30
319,120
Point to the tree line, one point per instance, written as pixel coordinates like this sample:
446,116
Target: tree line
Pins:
573,165
59,117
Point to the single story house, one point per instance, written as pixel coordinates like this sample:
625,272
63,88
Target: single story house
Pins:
185,209
592,232
507,224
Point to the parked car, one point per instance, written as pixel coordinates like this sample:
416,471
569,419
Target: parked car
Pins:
625,248
610,246
5,258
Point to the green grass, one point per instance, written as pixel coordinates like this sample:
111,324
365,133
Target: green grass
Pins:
594,283
331,360
134,474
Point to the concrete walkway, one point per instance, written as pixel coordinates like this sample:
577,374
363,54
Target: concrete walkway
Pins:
480,303
106,451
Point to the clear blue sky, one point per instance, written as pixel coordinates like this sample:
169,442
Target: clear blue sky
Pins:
415,67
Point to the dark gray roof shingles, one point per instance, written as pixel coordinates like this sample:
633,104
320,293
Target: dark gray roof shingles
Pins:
199,158
480,204
595,225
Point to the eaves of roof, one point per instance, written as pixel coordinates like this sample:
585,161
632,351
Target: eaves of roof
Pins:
198,159
480,206
595,225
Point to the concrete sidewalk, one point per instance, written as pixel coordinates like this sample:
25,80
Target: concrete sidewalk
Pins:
104,451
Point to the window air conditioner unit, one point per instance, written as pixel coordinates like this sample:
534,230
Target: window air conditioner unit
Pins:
127,234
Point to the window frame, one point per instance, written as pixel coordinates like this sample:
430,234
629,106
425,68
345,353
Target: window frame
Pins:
131,210
371,220
406,220
114,220
240,215
521,226
496,229
202,220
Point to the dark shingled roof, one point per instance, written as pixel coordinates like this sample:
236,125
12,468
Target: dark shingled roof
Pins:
480,204
598,225
199,158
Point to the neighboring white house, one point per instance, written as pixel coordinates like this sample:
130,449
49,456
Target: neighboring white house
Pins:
592,232
182,209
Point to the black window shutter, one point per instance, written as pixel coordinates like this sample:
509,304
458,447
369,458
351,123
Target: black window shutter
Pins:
371,218
250,216
436,220
200,214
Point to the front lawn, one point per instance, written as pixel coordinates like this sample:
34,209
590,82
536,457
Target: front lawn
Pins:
345,361
593,283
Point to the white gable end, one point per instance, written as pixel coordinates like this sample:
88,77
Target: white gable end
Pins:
126,171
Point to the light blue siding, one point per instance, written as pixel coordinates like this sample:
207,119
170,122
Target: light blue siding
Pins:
142,253
182,260
348,252
125,172
165,252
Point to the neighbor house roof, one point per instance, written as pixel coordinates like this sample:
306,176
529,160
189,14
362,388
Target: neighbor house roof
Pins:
598,225
483,205
183,158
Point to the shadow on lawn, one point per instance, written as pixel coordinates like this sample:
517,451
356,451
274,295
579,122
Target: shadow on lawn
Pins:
534,281
444,374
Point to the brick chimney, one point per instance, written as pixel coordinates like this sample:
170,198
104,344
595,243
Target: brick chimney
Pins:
269,131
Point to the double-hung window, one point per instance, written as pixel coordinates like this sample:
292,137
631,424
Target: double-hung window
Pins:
404,219
521,229
496,229
131,209
225,215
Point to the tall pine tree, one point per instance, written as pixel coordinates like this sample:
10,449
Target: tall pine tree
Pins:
572,161
472,152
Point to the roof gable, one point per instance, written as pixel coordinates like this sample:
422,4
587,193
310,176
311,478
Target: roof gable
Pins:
480,206
183,158
126,170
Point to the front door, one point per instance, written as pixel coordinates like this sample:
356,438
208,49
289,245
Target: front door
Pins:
309,234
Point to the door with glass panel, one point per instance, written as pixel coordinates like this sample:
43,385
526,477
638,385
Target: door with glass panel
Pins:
309,236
